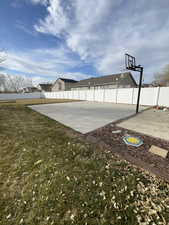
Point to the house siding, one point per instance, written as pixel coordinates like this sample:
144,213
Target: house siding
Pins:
63,85
59,85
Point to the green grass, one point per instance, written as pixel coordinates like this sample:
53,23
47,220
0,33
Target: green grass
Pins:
50,177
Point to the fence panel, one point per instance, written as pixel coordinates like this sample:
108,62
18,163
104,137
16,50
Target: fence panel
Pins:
46,94
76,95
70,95
50,94
66,95
163,96
125,95
110,95
60,94
55,94
83,95
99,95
148,96
90,95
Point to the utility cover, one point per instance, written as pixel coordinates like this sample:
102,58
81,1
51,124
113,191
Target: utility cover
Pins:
133,141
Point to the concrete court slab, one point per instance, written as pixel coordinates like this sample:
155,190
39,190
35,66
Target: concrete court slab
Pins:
151,122
85,116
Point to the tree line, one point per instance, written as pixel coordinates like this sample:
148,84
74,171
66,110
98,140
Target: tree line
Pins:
12,83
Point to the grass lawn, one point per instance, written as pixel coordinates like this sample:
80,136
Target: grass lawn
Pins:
33,101
50,177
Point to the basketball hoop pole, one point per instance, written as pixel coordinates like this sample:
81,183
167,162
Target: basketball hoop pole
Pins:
130,63
139,89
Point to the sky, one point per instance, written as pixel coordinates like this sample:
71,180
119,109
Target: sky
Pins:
78,39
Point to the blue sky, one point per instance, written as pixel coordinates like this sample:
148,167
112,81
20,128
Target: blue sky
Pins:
45,39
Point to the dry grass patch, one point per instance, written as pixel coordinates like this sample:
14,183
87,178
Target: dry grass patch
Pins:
33,101
48,177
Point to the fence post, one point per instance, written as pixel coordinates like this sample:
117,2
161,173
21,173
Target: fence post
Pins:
158,95
104,95
116,94
132,96
93,94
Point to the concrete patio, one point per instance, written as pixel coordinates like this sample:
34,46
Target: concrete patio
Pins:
86,116
151,122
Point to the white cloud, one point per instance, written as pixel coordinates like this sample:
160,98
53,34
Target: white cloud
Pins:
102,31
46,64
56,21
43,2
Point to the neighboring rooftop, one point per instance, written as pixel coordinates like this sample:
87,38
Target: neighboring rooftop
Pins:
67,80
29,89
122,78
45,86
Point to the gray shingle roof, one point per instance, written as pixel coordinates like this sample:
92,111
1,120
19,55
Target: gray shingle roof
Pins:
68,80
120,78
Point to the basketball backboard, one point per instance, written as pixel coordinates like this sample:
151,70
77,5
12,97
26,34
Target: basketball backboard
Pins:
130,62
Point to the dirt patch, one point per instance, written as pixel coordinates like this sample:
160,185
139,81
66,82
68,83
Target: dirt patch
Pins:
136,155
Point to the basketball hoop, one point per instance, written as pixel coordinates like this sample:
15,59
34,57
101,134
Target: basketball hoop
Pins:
130,63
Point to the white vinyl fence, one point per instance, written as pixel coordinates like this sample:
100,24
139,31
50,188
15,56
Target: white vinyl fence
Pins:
149,96
21,96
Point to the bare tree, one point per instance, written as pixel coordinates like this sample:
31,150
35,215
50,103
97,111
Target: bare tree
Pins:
2,77
14,83
18,82
162,78
3,55
2,83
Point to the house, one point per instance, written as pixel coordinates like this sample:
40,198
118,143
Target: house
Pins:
45,87
63,84
121,80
